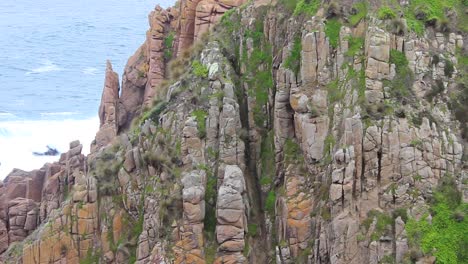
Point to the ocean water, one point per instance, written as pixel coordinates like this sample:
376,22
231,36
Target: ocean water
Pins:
52,62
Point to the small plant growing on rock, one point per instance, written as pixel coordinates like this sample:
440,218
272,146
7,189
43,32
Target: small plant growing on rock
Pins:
199,69
444,236
270,202
403,81
168,42
448,68
332,31
293,62
355,44
359,12
385,13
307,7
200,116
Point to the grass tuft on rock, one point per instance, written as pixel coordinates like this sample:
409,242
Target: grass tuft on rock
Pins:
359,10
199,69
446,235
386,13
332,31
293,62
307,7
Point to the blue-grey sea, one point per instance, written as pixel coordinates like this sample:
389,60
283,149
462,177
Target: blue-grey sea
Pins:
52,63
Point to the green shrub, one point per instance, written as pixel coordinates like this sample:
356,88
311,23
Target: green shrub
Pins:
328,146
446,237
307,7
401,212
292,151
403,80
382,226
448,193
332,31
168,42
270,202
290,5
226,20
90,258
398,58
334,92
448,68
385,13
428,12
355,44
252,230
154,113
210,200
458,103
293,62
199,69
436,89
360,12
200,115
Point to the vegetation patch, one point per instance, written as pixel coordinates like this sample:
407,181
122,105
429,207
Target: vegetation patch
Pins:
448,68
458,103
403,80
293,62
383,223
200,116
210,199
253,229
422,13
199,69
290,5
306,7
154,113
105,168
328,145
385,13
446,236
258,66
436,89
359,13
90,258
332,31
168,43
355,44
270,202
292,152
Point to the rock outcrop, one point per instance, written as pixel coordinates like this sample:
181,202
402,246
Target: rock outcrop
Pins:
28,198
108,115
318,136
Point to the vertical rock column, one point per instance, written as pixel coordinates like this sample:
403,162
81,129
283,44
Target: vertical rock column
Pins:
108,109
187,24
231,218
190,246
156,67
208,13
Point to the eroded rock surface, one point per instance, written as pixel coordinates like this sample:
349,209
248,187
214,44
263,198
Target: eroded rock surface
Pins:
279,141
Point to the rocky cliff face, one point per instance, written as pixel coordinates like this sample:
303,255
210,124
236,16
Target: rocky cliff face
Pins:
287,132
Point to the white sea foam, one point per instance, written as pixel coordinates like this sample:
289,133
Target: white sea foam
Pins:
19,139
47,66
58,114
6,114
90,71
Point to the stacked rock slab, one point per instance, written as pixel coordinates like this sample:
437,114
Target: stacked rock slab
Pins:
192,182
28,199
